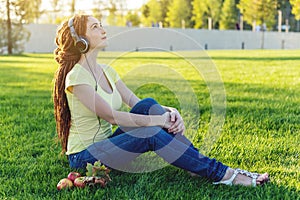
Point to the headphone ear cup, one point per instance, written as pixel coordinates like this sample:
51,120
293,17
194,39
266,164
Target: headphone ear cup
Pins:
82,44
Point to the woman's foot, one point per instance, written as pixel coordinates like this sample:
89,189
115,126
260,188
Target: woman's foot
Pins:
242,177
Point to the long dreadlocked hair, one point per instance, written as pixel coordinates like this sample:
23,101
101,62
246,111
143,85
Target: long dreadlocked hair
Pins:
66,55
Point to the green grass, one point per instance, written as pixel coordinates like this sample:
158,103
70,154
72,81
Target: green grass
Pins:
261,131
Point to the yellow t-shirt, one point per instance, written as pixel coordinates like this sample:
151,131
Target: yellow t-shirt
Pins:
84,129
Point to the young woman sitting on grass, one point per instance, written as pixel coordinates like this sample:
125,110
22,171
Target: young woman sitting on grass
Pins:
87,96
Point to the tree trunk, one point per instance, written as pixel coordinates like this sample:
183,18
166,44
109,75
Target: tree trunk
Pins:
9,39
73,7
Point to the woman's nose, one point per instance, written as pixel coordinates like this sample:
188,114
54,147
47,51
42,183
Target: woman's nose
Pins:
103,31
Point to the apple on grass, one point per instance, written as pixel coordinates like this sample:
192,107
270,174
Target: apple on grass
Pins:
79,182
73,175
64,184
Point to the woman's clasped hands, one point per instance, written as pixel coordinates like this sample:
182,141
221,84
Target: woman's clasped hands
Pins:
174,122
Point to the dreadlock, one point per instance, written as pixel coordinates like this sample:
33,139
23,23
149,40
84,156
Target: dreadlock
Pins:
66,55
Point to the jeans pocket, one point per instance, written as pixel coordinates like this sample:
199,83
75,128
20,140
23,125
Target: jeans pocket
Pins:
79,160
73,160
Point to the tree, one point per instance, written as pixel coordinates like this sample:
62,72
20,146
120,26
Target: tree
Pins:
155,11
145,10
116,13
27,11
133,19
72,5
179,13
111,19
214,10
198,11
164,4
54,4
258,12
204,9
99,6
18,36
228,17
17,13
9,38
296,8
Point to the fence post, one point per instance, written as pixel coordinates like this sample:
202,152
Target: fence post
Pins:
205,46
243,45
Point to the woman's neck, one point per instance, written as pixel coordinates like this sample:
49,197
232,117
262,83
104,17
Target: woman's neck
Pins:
88,60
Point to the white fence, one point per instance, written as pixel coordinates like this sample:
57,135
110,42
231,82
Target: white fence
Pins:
128,39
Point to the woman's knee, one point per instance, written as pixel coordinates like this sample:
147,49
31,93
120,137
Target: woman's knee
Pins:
149,101
146,105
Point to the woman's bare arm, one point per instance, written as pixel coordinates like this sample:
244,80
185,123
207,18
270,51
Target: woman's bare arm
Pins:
87,95
127,95
131,99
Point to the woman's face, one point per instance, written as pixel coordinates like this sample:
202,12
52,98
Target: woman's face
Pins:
96,34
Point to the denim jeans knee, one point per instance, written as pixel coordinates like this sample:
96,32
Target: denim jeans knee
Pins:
147,106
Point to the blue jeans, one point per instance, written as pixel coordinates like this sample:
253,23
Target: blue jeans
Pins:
127,143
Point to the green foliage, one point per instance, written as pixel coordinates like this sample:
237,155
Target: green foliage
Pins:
97,13
179,13
214,10
27,11
224,13
228,15
17,13
112,17
204,9
145,10
97,174
115,8
258,12
19,36
199,9
261,131
164,7
296,8
133,18
154,12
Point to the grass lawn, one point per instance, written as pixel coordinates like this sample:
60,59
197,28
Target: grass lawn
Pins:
260,118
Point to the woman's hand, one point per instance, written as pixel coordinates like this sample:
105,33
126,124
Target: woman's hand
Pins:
177,122
167,123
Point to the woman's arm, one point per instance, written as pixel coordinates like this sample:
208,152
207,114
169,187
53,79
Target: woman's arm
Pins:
131,99
87,95
127,95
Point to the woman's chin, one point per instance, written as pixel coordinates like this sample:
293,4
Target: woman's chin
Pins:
102,45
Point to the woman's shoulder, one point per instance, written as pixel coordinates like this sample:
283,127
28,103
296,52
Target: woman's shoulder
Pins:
77,71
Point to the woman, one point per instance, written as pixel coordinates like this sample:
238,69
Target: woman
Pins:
87,97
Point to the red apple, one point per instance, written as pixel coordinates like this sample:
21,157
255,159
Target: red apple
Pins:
64,184
79,182
73,175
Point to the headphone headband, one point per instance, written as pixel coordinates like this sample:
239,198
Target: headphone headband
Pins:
81,43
